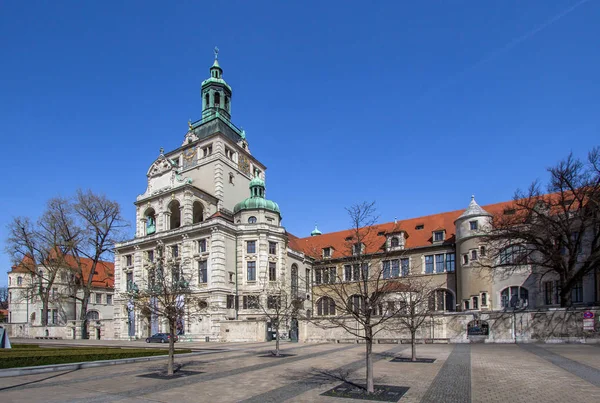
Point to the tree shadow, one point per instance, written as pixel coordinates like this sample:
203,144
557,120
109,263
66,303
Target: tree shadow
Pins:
38,380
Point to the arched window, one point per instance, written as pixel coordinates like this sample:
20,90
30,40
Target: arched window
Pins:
514,297
251,220
175,214
325,306
395,242
32,318
92,315
513,254
207,100
226,103
441,300
19,280
217,99
356,304
294,274
198,214
150,221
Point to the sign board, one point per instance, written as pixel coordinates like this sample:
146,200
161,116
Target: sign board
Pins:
588,315
478,328
588,324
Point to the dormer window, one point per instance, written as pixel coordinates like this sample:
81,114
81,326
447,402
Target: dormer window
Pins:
357,248
419,227
394,242
438,236
473,225
326,252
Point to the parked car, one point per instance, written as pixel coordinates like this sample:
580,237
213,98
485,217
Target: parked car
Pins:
160,338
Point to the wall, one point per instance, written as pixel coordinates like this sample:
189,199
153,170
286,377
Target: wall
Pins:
550,326
243,330
27,331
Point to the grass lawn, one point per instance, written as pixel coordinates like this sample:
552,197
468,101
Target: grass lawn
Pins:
26,355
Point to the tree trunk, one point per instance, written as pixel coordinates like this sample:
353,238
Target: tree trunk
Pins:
277,340
413,345
44,318
369,353
171,362
83,313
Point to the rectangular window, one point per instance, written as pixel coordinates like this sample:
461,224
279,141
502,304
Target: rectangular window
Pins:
150,256
466,305
54,293
482,250
465,259
54,316
325,274
272,271
395,268
307,281
206,151
484,299
429,264
250,301
386,269
108,299
250,246
332,275
347,272
98,298
405,266
326,252
548,292
438,236
230,301
202,246
474,254
128,260
272,248
475,303
473,225
251,271
439,263
450,262
175,251
318,276
202,271
357,248
355,272
577,292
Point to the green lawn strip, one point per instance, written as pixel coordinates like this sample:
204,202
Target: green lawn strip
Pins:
26,360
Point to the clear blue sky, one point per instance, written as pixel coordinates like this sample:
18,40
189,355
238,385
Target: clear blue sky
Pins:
416,105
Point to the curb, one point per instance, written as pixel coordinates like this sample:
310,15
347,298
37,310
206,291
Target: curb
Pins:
41,369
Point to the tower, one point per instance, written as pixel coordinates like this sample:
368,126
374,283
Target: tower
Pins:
216,93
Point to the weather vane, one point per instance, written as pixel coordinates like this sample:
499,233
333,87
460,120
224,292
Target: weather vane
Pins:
216,53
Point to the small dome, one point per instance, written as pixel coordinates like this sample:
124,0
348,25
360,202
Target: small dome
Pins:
256,182
257,199
316,231
473,210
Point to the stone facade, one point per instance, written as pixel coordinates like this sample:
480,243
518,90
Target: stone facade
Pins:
196,205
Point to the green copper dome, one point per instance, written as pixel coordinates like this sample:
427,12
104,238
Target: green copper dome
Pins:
316,231
257,199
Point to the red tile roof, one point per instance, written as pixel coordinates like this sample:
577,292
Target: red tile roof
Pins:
415,238
103,276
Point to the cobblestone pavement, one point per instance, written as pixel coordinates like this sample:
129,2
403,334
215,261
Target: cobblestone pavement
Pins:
235,372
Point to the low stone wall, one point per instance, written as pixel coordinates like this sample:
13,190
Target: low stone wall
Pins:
243,330
550,326
102,329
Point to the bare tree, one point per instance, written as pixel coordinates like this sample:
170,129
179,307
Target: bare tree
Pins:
556,229
4,297
91,224
416,305
360,299
280,305
167,294
38,249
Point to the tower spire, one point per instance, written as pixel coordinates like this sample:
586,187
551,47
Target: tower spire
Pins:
216,94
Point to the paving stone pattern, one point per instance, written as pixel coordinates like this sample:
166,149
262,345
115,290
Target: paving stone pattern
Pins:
453,383
592,375
490,373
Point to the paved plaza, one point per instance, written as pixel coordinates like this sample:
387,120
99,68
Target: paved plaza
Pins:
236,372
